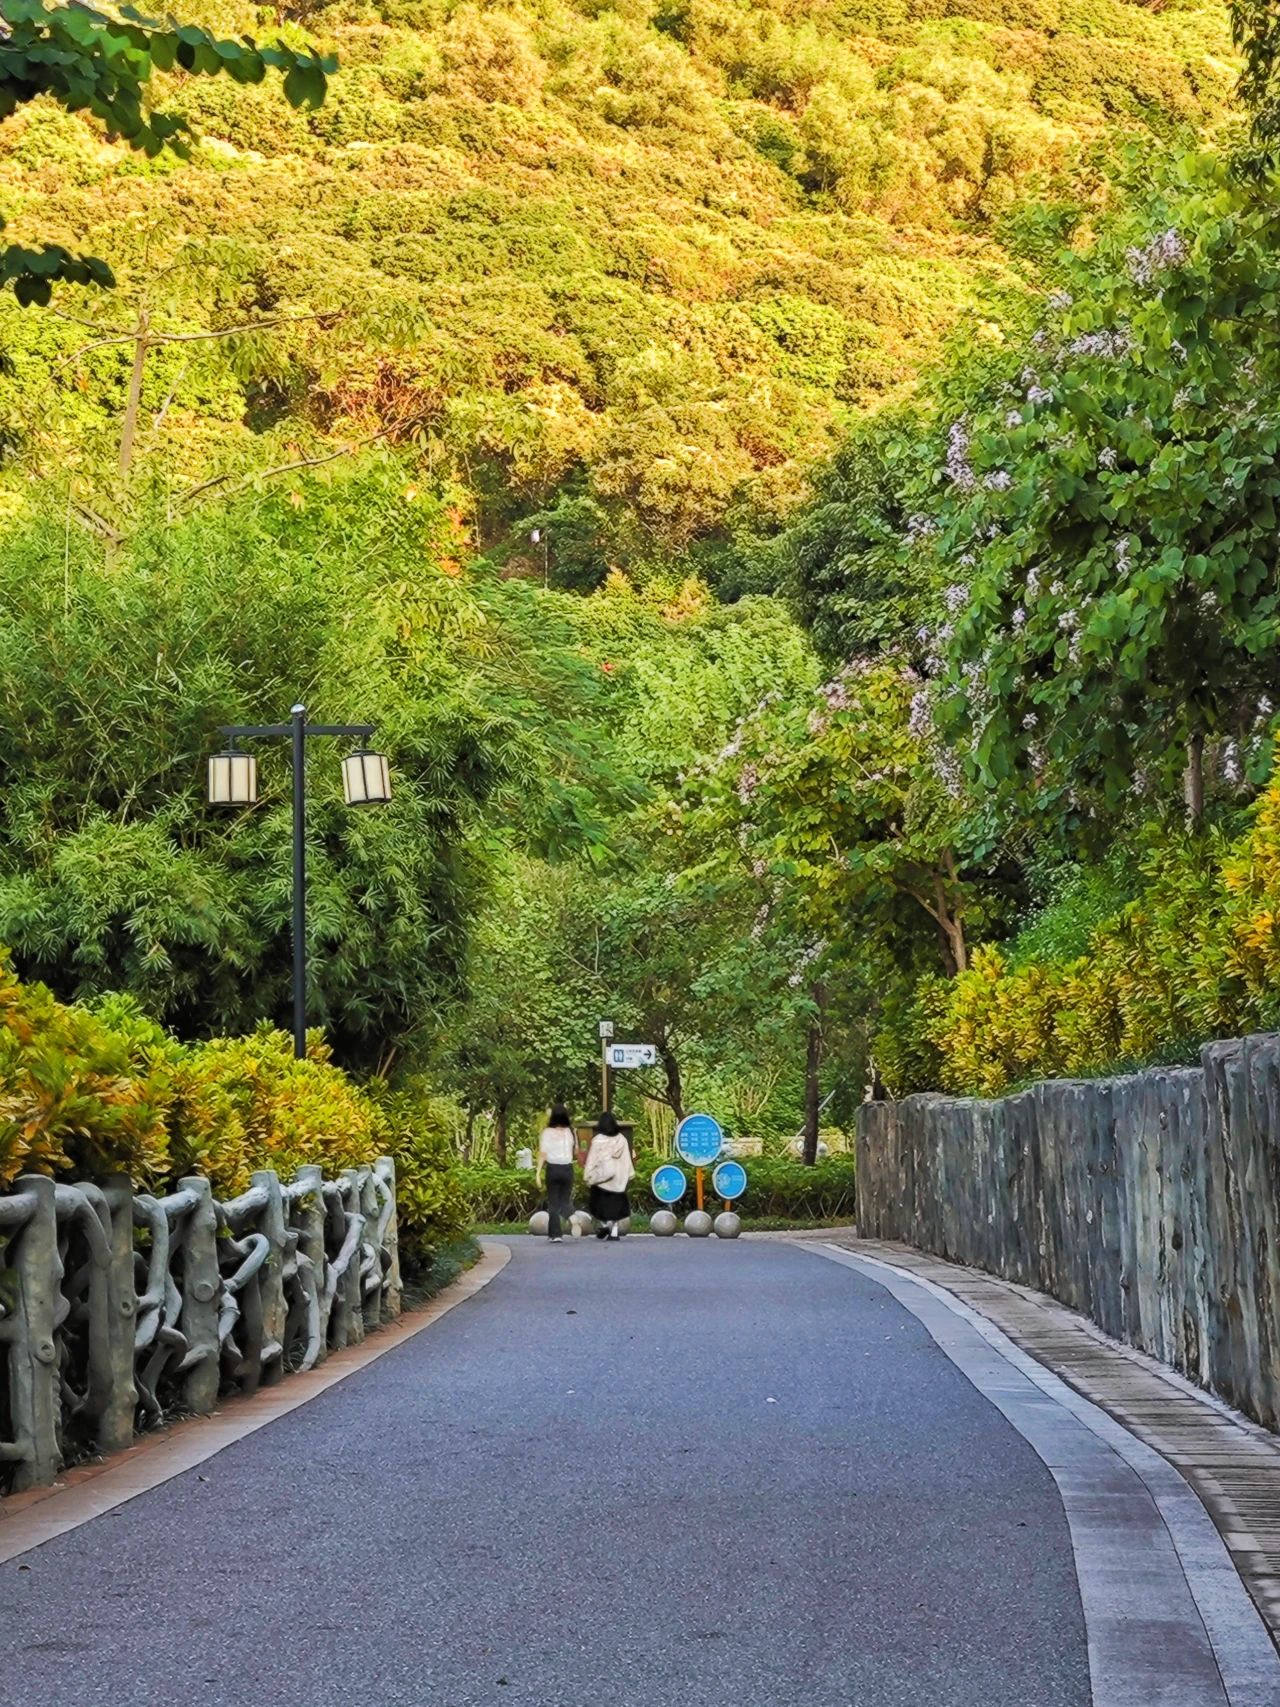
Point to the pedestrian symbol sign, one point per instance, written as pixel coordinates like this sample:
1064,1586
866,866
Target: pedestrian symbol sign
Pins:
699,1140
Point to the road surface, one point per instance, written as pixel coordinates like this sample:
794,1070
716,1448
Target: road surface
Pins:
662,1472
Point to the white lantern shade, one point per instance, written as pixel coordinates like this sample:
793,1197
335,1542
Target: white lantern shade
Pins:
233,779
366,779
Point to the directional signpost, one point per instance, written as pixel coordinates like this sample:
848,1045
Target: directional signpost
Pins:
631,1054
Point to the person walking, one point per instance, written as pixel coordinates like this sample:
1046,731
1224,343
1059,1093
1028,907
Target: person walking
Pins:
608,1172
556,1146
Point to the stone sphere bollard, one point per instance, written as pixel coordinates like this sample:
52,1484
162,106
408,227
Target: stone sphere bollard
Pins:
539,1221
624,1226
698,1224
580,1224
663,1223
728,1225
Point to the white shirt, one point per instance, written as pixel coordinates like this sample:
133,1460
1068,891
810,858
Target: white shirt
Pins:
556,1145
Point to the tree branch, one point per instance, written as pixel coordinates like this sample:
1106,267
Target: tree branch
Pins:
290,467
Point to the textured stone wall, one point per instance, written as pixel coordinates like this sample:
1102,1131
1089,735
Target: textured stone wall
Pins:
1150,1203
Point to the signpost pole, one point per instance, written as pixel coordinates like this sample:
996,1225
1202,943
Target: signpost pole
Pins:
606,1033
699,1188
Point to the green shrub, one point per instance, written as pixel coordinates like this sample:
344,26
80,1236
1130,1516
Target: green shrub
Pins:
778,1188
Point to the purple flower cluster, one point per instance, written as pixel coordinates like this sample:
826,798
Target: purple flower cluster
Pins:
958,468
1163,254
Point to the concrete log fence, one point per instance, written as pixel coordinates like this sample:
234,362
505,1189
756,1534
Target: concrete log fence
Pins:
1150,1203
119,1309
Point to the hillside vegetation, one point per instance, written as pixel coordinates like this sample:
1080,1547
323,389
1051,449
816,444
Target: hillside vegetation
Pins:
622,271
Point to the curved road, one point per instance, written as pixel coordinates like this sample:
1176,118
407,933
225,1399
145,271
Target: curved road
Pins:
663,1472
639,1473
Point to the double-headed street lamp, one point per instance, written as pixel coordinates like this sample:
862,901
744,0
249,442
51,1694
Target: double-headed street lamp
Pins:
233,781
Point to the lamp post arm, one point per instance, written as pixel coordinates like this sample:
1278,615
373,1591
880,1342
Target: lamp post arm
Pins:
247,731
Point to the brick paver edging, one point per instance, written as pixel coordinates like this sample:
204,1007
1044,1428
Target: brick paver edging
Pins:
29,1519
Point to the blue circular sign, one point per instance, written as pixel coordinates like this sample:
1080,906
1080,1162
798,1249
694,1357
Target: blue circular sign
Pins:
699,1140
668,1183
729,1181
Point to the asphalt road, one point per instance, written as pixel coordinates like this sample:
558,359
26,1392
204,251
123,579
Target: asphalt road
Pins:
663,1472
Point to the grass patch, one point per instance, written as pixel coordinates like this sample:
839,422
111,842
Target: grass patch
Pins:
449,1262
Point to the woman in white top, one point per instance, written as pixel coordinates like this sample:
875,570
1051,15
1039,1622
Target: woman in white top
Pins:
608,1172
555,1160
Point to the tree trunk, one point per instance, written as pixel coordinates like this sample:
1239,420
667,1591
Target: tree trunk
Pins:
469,1137
500,1131
950,920
812,1085
133,397
1193,777
675,1090
812,1098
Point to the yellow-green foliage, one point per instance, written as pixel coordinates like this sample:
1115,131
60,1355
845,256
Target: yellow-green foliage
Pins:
71,1098
1195,956
659,246
104,1090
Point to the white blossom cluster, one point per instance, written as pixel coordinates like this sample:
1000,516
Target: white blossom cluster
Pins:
1163,254
808,956
958,468
1109,343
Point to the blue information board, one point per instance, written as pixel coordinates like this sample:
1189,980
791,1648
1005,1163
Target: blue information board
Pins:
729,1181
699,1140
669,1183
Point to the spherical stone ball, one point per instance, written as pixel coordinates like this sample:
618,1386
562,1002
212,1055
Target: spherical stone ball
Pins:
698,1224
624,1226
728,1225
580,1224
663,1223
539,1221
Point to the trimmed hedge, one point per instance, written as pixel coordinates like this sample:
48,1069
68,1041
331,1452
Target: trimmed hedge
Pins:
778,1188
87,1091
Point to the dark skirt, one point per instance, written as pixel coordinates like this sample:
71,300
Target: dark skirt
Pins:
609,1205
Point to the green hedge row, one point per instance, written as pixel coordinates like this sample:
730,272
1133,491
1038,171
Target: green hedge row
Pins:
778,1188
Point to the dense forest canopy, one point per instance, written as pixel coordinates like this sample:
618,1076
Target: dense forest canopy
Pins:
791,483
626,271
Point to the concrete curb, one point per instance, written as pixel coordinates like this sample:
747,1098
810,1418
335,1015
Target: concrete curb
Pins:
1168,1617
28,1520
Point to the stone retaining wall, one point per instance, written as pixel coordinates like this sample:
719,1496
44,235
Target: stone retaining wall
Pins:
1150,1203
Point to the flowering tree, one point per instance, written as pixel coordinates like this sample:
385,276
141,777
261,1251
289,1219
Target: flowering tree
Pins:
1110,514
852,801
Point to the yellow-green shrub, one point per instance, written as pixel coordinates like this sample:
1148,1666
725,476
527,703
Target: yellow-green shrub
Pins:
1195,956
93,1091
71,1096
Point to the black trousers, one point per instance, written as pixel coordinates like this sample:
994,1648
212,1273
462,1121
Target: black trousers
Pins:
559,1195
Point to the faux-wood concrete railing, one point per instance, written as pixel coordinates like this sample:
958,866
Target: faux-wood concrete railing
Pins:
118,1309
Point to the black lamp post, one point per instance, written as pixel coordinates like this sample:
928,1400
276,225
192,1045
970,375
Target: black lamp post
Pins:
233,781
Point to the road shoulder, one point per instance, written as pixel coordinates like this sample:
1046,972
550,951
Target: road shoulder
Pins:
28,1520
1146,1546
